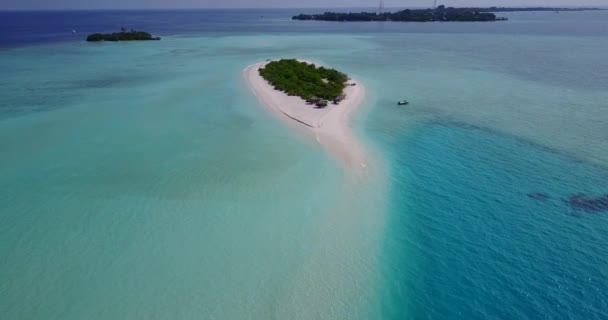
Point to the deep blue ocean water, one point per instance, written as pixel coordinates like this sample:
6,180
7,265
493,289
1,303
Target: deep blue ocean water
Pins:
479,246
507,122
29,27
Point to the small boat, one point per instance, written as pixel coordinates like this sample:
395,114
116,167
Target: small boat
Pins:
403,102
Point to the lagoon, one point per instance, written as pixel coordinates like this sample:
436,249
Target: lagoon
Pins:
144,180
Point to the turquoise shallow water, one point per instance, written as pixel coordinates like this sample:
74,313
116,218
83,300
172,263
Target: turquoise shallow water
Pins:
147,181
143,180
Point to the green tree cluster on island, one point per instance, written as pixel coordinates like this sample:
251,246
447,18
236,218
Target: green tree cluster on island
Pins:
441,13
124,35
304,80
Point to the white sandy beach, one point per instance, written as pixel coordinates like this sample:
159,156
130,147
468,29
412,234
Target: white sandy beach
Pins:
330,126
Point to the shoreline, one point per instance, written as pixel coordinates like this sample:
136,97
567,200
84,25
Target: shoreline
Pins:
330,127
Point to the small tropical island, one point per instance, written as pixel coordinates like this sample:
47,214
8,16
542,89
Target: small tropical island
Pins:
123,35
316,85
299,92
440,13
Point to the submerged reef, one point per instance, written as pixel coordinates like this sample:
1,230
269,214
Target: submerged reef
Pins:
539,196
589,204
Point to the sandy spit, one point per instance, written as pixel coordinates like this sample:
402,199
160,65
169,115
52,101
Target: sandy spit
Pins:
330,127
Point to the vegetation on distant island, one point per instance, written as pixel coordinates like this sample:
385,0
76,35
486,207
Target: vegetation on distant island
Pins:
124,35
304,80
441,13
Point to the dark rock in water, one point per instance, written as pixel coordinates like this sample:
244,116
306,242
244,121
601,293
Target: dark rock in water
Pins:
539,196
590,204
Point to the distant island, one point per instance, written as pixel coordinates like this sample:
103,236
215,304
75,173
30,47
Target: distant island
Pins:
124,35
315,84
441,13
